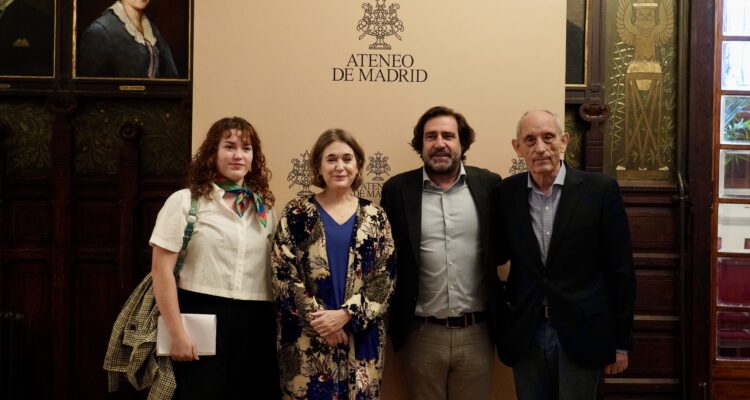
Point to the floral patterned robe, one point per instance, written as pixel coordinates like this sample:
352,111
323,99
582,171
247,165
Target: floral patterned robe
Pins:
309,367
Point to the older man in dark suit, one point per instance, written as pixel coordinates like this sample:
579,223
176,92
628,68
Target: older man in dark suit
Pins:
567,309
441,311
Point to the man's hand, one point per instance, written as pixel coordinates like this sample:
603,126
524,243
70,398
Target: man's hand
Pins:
620,364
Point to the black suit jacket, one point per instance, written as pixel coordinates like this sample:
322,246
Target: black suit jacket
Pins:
402,201
588,278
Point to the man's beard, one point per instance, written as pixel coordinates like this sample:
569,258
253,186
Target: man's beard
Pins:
442,168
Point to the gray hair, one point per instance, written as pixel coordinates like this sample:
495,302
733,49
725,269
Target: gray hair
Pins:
558,125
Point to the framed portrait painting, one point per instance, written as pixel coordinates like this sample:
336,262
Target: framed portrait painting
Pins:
132,39
27,38
576,45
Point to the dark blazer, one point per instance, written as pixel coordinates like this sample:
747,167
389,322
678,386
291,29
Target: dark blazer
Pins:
402,201
588,278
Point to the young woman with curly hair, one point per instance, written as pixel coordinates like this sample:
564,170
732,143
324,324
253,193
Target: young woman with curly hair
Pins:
226,270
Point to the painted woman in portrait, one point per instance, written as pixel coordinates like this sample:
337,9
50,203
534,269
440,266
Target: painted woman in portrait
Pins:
124,43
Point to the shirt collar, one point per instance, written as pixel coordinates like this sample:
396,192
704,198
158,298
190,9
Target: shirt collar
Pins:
217,190
427,182
148,33
559,179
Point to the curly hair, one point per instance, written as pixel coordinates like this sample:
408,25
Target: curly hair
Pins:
466,133
202,170
324,140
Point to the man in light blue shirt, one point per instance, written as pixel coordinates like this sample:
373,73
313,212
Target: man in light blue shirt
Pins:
442,311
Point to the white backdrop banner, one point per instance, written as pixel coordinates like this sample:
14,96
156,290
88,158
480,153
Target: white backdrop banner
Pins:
295,68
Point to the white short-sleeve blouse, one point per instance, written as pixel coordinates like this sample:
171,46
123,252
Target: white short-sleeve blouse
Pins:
228,255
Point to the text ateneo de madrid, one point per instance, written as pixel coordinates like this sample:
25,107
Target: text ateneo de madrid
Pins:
364,67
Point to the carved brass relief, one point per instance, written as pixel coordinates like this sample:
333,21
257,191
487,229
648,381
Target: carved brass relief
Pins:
641,90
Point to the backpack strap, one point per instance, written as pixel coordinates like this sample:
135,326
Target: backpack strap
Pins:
191,218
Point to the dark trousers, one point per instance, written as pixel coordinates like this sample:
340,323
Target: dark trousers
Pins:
547,373
245,362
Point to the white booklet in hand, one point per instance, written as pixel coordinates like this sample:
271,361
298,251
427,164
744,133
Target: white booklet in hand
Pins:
200,328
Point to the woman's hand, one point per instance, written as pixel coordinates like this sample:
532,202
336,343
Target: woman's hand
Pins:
328,322
336,338
183,349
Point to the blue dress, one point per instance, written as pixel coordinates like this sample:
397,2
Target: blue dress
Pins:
338,239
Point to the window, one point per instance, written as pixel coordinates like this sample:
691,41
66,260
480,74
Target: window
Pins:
731,232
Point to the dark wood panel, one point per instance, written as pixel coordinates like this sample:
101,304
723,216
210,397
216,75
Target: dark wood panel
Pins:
656,323
730,390
94,223
26,254
653,355
90,254
653,227
699,179
96,306
657,292
29,222
640,388
27,290
656,260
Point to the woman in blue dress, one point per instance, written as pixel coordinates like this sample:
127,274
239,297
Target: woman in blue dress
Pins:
333,276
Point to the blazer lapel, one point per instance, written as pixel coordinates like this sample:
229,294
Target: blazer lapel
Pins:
569,199
412,198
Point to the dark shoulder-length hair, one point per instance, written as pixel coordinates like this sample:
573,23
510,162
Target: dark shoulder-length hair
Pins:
203,166
324,140
465,132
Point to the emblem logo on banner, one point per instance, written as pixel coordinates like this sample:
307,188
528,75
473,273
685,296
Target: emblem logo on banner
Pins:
383,66
378,166
519,166
380,23
300,174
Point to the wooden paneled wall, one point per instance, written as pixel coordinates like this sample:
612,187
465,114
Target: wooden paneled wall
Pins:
75,243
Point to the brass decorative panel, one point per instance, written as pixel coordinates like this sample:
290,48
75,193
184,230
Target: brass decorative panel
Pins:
640,89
